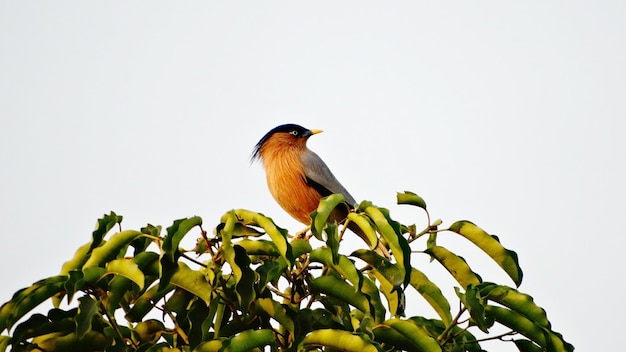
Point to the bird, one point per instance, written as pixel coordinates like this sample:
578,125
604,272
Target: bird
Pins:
298,178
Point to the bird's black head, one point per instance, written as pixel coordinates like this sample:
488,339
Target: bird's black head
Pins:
296,131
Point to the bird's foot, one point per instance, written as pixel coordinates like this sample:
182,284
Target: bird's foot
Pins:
304,233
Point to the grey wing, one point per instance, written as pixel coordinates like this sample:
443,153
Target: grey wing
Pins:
320,177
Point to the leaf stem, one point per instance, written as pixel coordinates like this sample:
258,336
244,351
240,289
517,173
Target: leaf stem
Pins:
193,260
444,336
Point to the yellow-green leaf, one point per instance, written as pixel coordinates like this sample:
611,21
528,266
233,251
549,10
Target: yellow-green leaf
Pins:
505,258
277,311
398,244
338,288
176,233
28,298
192,281
259,247
127,268
368,230
249,340
319,217
345,267
432,294
407,334
455,266
517,301
277,234
339,340
79,259
111,249
411,199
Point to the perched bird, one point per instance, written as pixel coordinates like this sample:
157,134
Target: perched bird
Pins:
297,177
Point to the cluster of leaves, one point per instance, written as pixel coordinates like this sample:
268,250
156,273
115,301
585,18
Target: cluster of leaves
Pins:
250,286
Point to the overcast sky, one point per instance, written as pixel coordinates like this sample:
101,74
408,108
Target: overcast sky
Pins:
511,115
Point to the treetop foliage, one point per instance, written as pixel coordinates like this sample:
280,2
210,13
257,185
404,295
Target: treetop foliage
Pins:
251,286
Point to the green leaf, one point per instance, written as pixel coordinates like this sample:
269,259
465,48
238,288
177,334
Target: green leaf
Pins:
226,231
278,312
524,314
28,298
92,341
104,225
373,294
192,281
277,234
149,330
237,258
300,246
339,340
242,230
195,317
259,247
332,240
516,301
79,259
462,339
432,294
4,342
394,294
38,324
527,346
517,322
411,199
368,230
148,263
87,310
167,268
455,266
344,266
319,217
175,234
179,302
77,262
209,346
250,339
245,285
390,277
145,302
475,305
505,258
390,231
406,334
118,289
543,337
338,288
142,243
74,283
271,270
111,249
128,269
392,273
93,274
160,347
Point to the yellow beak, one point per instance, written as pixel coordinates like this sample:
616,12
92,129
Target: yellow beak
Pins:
316,131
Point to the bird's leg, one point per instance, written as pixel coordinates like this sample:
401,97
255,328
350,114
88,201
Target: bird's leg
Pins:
303,233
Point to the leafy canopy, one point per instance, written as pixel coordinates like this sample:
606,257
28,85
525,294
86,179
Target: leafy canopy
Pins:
251,286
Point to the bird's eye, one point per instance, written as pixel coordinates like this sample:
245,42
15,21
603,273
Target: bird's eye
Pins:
295,133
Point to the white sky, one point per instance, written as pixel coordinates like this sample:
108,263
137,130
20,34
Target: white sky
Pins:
509,115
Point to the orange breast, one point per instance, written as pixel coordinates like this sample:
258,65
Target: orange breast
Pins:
286,181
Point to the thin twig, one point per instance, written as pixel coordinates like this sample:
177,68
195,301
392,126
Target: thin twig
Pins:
193,260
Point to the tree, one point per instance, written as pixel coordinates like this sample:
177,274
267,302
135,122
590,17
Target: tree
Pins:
252,286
